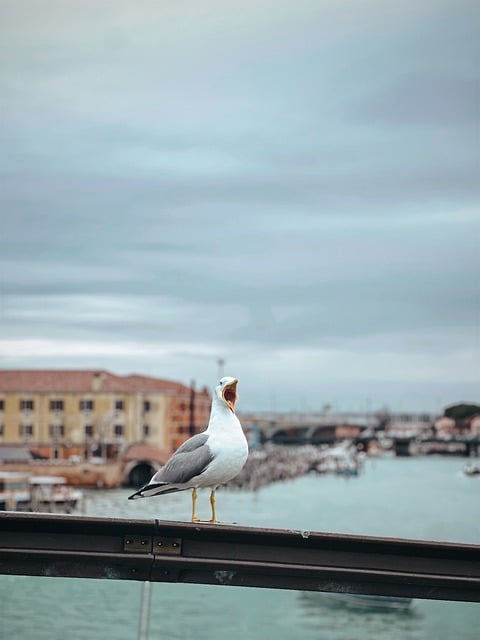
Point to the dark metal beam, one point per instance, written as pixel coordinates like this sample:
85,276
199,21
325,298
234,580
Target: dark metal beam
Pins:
69,546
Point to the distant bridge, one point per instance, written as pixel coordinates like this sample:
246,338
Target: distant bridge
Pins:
304,427
271,423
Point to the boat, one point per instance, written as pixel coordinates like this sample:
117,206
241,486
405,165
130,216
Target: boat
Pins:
342,460
52,493
472,469
14,491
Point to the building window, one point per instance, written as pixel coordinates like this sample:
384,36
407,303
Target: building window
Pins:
1,429
118,429
56,405
26,430
146,430
86,405
2,405
119,405
57,430
146,405
89,430
26,405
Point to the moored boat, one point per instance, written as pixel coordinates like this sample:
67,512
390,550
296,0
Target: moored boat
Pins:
472,469
14,491
343,460
51,493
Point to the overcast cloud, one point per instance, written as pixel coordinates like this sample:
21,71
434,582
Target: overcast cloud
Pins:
293,187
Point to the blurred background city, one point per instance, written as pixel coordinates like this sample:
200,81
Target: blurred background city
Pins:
287,193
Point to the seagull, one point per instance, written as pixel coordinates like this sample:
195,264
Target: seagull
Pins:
207,459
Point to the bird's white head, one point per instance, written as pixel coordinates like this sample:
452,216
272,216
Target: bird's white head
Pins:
226,391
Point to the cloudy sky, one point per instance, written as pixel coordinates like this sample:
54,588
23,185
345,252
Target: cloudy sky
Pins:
290,186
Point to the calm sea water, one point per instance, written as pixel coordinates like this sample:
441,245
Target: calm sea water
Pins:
426,498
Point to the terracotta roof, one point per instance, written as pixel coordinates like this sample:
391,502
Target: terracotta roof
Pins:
145,383
88,381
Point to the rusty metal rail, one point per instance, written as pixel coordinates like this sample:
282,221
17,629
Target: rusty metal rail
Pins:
159,551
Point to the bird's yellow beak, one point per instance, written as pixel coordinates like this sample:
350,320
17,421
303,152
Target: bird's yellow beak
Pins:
229,394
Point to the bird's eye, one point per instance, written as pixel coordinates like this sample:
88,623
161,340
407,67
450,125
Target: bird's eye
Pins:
220,383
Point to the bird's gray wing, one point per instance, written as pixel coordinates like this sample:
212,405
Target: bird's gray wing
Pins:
192,443
188,461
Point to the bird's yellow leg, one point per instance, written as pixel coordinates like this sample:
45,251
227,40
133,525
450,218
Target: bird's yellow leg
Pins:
195,518
194,504
212,502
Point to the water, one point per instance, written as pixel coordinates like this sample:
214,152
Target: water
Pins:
427,498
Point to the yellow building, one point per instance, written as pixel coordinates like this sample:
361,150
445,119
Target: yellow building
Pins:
60,414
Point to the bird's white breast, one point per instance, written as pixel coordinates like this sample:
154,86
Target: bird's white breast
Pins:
229,447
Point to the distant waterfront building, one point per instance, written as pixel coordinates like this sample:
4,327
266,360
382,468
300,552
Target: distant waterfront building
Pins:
475,426
445,427
409,424
60,414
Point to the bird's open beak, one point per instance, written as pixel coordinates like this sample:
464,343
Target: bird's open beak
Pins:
229,394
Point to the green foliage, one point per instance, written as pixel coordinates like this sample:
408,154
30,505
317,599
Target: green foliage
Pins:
462,411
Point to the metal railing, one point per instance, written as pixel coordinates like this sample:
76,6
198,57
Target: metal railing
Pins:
159,551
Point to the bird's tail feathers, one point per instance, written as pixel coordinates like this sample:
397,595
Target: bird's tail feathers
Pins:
157,489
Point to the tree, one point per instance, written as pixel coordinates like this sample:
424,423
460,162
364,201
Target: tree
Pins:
462,411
